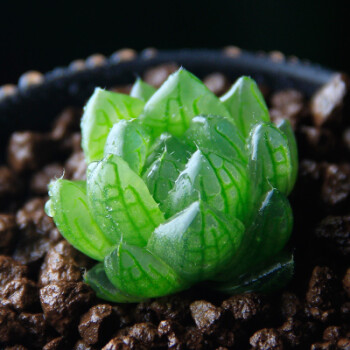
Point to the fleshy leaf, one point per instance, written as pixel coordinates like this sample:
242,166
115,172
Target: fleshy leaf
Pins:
286,128
69,208
271,160
170,160
129,140
102,111
274,275
266,236
221,184
142,90
177,101
197,242
218,135
121,202
99,282
246,104
136,271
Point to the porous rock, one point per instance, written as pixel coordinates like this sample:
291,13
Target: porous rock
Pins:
97,324
63,302
266,339
8,232
205,315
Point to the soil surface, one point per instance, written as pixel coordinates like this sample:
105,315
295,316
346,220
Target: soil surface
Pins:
44,304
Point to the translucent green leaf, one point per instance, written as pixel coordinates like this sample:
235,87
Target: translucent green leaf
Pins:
273,275
129,140
218,135
104,289
142,90
246,104
136,271
102,111
286,128
169,160
177,101
267,234
221,184
271,161
69,208
197,242
121,202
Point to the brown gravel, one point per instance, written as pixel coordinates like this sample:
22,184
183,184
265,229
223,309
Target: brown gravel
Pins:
266,339
217,83
45,305
206,316
156,76
97,324
25,150
10,186
8,233
63,303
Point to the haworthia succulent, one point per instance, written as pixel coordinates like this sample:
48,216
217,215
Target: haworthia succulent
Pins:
182,187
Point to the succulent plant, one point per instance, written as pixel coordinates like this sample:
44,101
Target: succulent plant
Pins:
182,187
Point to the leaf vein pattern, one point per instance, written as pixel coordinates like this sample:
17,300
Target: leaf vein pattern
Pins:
239,152
86,206
122,200
115,108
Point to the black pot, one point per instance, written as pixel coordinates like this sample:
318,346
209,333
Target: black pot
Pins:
33,106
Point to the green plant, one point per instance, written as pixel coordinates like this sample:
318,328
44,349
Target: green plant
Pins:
182,187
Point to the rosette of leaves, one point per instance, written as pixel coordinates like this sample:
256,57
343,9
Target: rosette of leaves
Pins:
182,187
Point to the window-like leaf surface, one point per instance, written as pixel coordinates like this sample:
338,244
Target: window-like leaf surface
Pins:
286,128
99,282
102,111
246,104
121,202
266,236
69,208
136,271
129,140
177,101
271,159
169,160
197,242
142,90
216,181
218,135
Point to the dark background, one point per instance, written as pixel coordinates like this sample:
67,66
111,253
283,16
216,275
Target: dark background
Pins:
41,35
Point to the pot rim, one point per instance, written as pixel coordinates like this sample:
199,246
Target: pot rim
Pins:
39,97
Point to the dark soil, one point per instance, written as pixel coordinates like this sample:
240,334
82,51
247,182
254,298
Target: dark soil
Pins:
45,305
